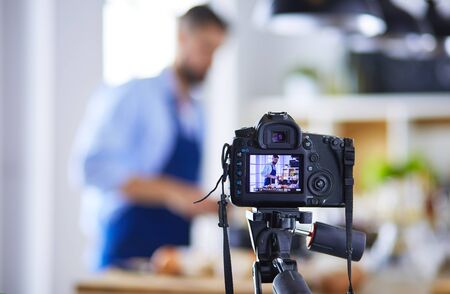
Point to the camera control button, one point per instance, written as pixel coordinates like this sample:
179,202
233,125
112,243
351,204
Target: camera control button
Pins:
238,182
315,201
238,192
320,183
326,139
239,163
314,157
239,173
239,154
336,143
310,168
307,144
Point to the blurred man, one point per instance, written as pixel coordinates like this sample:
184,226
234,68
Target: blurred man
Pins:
140,147
270,172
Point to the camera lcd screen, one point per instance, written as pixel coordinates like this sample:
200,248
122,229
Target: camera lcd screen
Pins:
278,173
279,136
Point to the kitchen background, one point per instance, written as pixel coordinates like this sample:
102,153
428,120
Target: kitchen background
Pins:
391,92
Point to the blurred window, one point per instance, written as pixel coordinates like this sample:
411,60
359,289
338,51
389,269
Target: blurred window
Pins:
139,37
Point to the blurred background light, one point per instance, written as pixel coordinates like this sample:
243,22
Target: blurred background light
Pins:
447,45
306,17
150,46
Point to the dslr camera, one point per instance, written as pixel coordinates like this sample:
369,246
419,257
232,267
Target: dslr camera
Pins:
276,168
275,164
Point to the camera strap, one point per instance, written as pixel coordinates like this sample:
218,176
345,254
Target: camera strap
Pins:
349,161
223,220
223,223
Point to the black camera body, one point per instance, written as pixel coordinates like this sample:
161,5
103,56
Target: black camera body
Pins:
276,165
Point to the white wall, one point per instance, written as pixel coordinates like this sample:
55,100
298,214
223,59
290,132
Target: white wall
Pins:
27,169
39,195
50,63
1,143
13,27
78,62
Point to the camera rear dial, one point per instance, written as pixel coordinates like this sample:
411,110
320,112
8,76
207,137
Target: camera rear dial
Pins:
320,183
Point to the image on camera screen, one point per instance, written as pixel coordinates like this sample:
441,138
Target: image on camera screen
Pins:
274,173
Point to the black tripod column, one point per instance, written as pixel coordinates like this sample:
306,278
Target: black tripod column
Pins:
257,278
271,232
288,281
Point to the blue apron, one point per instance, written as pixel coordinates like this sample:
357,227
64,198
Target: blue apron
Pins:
137,231
268,180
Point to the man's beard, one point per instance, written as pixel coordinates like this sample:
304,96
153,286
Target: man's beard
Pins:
189,76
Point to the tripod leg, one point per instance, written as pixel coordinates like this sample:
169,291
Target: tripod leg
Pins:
257,278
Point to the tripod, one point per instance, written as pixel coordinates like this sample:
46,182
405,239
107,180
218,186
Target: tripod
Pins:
271,232
271,235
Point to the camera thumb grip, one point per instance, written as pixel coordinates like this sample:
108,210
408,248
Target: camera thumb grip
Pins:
332,240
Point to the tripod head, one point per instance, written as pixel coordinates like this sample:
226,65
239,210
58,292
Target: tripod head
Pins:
271,232
271,236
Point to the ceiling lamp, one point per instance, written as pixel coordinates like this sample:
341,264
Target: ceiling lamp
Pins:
308,16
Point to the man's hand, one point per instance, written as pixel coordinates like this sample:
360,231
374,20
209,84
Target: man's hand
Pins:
182,198
174,194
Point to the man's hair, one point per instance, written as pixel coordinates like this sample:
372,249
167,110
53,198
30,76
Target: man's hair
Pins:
275,156
201,16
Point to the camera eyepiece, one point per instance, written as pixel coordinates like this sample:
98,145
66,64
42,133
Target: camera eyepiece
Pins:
278,130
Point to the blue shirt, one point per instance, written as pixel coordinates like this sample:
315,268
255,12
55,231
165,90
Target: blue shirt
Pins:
127,131
267,170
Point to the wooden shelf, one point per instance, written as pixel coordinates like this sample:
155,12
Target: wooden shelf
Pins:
379,107
382,125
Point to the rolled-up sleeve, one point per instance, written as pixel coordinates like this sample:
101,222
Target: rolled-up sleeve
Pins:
104,148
